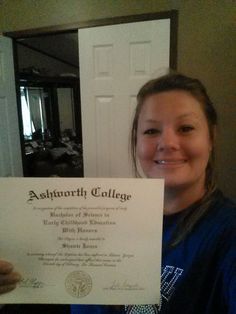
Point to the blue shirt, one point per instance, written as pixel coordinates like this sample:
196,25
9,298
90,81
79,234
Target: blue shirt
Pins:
199,273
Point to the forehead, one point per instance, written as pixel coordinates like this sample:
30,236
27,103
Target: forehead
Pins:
172,104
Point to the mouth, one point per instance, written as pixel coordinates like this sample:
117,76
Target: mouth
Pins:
170,162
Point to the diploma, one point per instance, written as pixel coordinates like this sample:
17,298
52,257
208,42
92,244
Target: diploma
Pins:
82,240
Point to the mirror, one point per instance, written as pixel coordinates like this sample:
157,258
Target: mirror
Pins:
33,110
66,109
50,106
51,126
37,112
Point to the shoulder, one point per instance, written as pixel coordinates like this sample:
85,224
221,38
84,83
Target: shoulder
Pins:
225,220
222,229
220,225
222,212
216,232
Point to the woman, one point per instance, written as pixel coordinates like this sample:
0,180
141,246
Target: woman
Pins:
173,137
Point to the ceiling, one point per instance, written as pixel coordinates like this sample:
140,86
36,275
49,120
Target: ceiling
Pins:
63,46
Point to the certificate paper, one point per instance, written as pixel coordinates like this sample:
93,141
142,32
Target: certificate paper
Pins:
82,240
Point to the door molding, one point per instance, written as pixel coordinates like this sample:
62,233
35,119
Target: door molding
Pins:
44,31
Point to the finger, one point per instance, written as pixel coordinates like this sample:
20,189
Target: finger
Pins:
7,288
5,267
9,279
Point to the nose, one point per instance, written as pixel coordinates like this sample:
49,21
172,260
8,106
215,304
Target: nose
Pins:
168,140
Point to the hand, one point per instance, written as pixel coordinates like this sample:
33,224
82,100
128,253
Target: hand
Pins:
8,277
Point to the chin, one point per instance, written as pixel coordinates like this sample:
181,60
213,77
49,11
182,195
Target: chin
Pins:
174,186
181,186
175,182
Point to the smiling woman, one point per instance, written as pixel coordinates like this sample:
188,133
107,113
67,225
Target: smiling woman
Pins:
173,137
173,142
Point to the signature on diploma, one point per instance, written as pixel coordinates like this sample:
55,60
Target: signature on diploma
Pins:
123,285
31,283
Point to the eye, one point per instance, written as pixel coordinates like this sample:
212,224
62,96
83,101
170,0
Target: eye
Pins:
151,131
186,128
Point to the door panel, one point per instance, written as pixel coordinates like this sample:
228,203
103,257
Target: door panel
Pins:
10,150
115,61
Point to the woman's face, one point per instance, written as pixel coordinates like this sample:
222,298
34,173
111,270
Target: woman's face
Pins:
173,140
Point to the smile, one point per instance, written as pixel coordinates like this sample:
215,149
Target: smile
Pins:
170,163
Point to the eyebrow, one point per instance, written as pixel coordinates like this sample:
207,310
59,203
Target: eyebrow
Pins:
185,115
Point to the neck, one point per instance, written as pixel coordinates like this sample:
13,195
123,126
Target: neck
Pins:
176,200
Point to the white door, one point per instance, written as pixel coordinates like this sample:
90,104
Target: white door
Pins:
10,150
115,61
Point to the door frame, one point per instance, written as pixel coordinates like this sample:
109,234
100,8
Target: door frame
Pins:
66,28
44,31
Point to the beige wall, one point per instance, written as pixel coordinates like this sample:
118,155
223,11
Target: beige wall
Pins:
206,48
